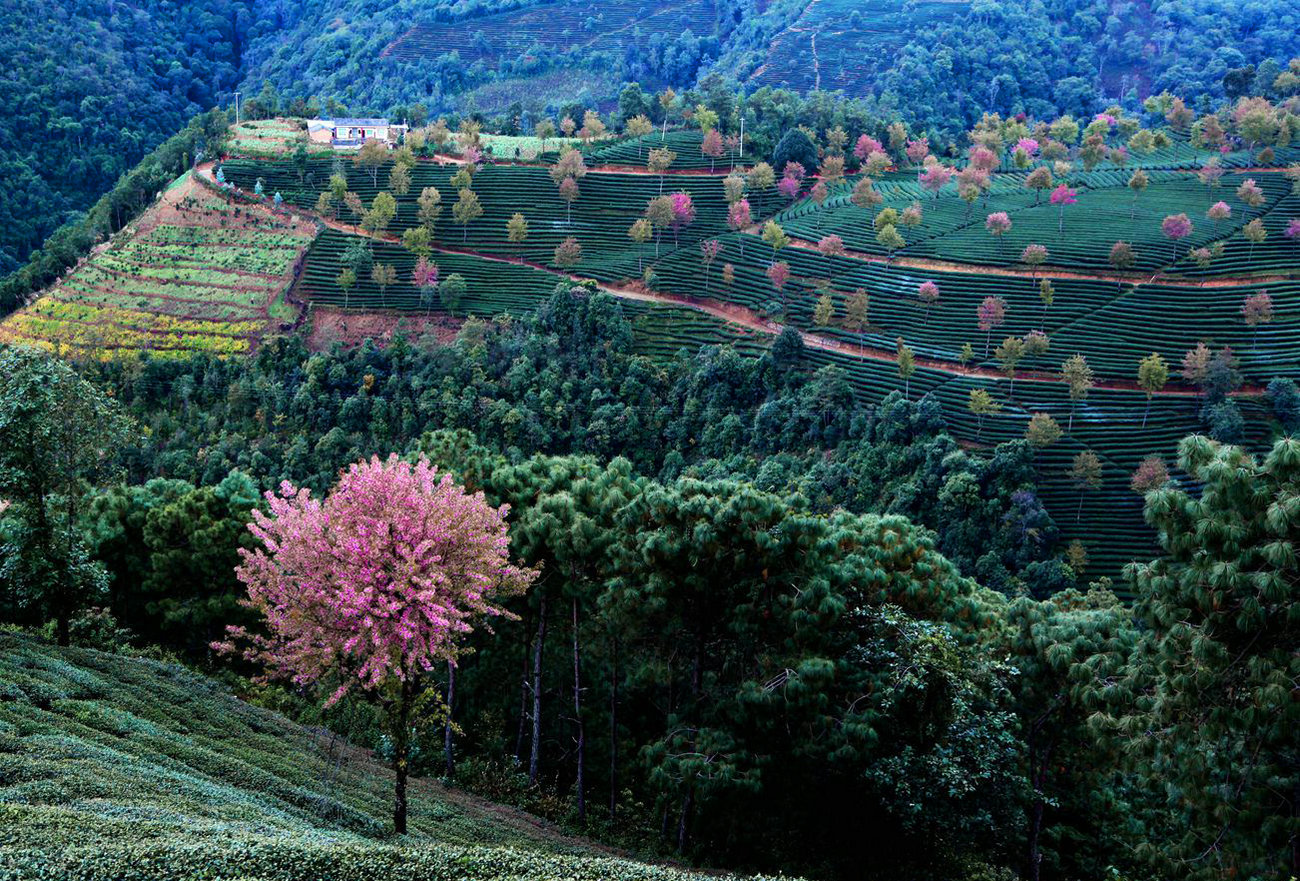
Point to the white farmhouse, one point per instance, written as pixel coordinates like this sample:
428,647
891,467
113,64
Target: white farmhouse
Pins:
350,134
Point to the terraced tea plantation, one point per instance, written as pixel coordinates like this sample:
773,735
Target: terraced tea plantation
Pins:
114,767
196,273
1167,299
599,219
559,26
824,49
207,271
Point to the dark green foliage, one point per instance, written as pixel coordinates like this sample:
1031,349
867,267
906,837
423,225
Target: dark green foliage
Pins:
171,551
1067,651
1210,719
1285,397
92,87
58,434
131,194
794,146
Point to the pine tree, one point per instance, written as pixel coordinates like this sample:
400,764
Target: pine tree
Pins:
1213,727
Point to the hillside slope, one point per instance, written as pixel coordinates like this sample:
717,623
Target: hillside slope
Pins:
938,63
197,272
93,85
114,767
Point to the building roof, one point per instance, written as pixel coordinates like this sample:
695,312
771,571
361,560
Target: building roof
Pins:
360,122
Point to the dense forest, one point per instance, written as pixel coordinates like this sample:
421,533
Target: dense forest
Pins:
94,85
749,609
938,73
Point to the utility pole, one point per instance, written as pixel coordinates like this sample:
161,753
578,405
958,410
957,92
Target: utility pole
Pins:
236,108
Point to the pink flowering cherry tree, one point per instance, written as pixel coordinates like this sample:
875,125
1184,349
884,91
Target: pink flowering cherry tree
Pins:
1176,227
1062,196
779,273
865,147
789,187
374,586
928,293
998,224
739,217
683,212
425,278
1219,212
990,314
934,177
917,150
709,251
1256,310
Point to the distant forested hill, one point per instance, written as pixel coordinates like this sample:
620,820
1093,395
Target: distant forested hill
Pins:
91,86
936,63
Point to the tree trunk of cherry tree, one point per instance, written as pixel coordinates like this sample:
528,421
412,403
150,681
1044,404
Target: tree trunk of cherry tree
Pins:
401,756
448,744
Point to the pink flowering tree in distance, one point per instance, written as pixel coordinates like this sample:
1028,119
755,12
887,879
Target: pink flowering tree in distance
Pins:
917,150
1062,196
1176,227
373,587
425,278
683,212
738,218
712,146
709,251
934,178
865,146
998,224
928,293
1219,212
779,273
990,314
789,187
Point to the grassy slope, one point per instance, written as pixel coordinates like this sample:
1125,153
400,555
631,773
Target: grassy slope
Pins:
114,767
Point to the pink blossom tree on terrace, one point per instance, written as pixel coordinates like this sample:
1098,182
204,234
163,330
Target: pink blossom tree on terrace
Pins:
1219,212
928,293
709,251
779,273
998,224
373,586
1292,231
865,146
1176,227
738,218
917,150
934,177
683,212
712,147
425,278
1062,196
789,187
991,313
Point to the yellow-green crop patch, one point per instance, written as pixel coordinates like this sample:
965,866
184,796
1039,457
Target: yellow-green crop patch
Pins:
195,274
